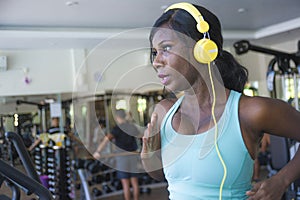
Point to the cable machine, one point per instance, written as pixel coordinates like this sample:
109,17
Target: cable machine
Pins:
42,110
284,67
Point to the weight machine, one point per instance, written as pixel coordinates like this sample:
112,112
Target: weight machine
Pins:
287,71
42,110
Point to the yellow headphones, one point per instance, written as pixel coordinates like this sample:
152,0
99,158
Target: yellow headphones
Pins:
205,50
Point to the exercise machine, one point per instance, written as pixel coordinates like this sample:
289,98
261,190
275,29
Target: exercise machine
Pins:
283,68
17,180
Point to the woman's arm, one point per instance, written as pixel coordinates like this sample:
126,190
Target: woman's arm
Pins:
275,117
151,154
151,150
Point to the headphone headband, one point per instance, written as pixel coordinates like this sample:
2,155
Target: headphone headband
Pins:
187,7
202,25
205,50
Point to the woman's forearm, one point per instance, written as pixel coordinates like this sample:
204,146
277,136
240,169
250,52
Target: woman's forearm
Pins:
291,171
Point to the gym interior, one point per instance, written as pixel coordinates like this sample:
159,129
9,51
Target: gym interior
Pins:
81,74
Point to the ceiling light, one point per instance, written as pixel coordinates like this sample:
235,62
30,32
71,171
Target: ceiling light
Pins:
49,100
241,10
72,3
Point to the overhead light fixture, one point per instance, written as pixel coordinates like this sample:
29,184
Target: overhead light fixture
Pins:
242,10
72,3
49,100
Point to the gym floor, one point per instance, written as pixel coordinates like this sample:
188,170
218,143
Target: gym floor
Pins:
159,192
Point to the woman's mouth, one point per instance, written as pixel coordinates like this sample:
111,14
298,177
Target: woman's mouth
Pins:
163,78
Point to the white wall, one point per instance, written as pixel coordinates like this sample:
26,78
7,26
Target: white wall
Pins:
75,71
119,69
48,70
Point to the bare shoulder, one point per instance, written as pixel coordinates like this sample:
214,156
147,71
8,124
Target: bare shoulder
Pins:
260,105
163,107
267,114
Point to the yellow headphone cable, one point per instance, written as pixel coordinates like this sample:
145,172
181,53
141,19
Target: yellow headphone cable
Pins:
216,132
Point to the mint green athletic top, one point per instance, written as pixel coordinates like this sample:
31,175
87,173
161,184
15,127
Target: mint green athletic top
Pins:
191,164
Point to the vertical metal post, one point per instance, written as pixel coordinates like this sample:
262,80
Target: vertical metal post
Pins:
296,91
61,120
43,119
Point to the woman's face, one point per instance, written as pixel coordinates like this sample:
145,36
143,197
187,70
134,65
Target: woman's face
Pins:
172,60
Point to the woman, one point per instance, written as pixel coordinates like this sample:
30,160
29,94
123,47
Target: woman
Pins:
205,142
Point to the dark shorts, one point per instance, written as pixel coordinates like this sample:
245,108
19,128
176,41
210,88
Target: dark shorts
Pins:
123,175
127,166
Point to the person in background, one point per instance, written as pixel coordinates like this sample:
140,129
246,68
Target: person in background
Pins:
124,135
44,137
99,131
262,158
54,127
141,129
205,142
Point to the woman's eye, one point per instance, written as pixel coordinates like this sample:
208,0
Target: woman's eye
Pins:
153,55
167,48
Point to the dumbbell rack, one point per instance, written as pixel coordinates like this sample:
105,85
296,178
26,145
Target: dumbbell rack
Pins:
40,159
103,182
55,162
96,178
108,188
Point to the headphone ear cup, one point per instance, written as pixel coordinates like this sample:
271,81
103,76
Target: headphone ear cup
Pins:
205,51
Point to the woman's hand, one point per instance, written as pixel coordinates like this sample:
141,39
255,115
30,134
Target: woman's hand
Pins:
151,139
269,189
150,154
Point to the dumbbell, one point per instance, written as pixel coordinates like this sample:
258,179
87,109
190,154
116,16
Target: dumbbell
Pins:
94,167
97,179
117,184
87,163
104,167
49,159
106,188
145,190
79,163
145,179
96,192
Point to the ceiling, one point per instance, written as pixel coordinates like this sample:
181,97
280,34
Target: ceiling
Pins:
83,23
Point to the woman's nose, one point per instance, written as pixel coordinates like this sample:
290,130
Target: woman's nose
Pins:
158,60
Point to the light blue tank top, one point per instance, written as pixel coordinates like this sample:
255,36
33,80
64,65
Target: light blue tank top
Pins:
191,164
